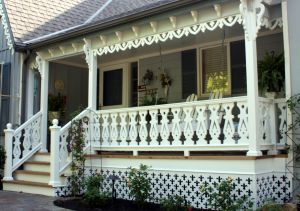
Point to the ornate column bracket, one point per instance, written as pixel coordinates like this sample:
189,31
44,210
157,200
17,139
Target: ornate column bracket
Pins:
39,65
88,52
252,12
5,25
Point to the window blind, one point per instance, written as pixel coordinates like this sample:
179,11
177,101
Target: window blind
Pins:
214,61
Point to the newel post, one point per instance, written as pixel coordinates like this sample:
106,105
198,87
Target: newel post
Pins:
9,133
54,156
252,12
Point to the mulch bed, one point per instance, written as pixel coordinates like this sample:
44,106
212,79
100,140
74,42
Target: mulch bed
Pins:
116,205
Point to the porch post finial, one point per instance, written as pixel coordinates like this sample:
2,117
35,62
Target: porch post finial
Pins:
91,60
252,12
43,67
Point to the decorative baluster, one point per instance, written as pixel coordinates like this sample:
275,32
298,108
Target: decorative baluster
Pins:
36,132
95,132
228,129
201,130
262,131
105,130
143,132
176,127
26,141
283,122
63,149
123,129
164,129
132,128
188,130
243,122
153,127
114,133
17,148
86,129
214,127
267,122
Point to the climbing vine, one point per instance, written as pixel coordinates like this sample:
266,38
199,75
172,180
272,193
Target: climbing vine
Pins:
77,144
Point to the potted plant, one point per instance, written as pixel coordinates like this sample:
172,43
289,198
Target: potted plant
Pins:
271,74
56,106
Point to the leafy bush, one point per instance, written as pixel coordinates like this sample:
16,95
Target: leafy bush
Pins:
2,157
220,198
93,195
138,183
174,203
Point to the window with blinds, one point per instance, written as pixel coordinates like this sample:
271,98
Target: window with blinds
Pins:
5,75
214,62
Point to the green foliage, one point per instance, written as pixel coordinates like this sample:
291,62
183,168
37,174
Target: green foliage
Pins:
271,205
151,100
271,72
77,138
93,195
138,183
174,203
56,102
220,197
2,157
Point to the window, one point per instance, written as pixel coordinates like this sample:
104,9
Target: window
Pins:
238,67
4,94
112,87
214,62
189,72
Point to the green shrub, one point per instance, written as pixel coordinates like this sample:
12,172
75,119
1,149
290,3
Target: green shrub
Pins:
138,183
174,203
271,205
93,195
2,157
220,197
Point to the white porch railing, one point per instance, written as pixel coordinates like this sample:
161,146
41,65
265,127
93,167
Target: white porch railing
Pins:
21,144
216,125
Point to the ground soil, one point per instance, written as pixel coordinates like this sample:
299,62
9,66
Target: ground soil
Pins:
116,205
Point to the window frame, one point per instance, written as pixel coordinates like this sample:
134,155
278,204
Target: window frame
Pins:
125,89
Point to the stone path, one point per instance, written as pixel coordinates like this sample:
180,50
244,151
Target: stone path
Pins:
14,201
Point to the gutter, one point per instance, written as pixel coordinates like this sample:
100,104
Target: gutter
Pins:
94,27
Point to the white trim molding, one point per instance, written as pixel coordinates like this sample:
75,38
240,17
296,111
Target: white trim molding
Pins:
5,24
178,33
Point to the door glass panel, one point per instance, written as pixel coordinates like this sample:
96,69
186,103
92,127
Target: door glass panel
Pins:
112,87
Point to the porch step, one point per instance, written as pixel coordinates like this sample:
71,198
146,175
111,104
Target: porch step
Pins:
28,187
41,166
37,176
34,177
41,156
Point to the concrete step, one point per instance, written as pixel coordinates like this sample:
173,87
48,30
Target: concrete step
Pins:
40,166
28,187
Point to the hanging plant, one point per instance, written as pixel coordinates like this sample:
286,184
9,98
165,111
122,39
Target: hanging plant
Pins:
165,80
217,83
148,77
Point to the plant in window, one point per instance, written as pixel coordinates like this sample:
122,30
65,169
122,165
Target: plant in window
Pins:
217,83
138,183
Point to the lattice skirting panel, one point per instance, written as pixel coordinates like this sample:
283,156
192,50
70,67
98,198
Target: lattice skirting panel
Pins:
260,187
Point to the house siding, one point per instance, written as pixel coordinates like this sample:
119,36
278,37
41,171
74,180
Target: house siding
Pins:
6,56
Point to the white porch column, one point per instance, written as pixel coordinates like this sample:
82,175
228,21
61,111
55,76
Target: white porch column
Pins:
91,60
30,89
43,67
252,11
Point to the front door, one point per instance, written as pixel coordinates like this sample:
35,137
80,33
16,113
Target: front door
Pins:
114,87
